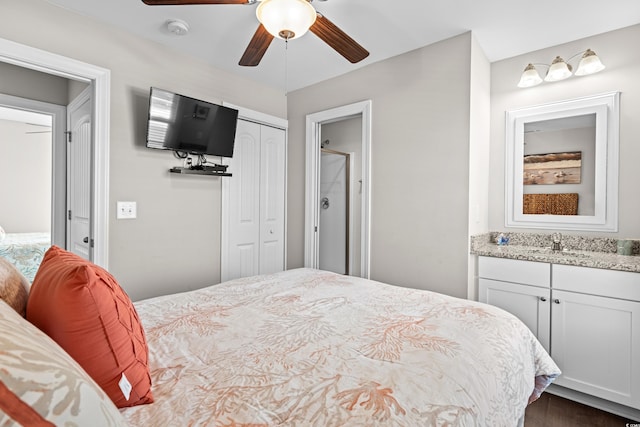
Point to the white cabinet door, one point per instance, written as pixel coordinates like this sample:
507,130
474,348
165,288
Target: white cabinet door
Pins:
530,304
596,343
253,214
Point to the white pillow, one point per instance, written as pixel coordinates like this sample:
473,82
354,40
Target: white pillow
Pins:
38,372
2,233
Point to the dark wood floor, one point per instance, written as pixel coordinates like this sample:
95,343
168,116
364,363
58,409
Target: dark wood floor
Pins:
555,411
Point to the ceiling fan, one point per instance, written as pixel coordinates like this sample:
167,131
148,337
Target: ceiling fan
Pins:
287,20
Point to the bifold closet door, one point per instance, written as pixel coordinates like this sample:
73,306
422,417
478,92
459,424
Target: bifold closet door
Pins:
253,198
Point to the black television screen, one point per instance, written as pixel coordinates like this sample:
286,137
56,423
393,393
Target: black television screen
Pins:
180,123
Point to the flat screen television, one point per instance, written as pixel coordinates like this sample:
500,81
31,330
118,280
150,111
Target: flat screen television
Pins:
188,125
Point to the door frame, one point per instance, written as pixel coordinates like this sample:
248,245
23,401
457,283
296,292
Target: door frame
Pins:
100,80
314,123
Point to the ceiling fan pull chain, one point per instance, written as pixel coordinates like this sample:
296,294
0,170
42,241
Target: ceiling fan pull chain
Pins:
286,68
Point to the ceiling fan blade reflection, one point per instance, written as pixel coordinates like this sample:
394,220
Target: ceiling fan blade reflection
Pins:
190,2
338,39
257,47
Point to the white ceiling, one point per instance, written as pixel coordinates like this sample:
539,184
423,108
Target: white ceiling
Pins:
219,34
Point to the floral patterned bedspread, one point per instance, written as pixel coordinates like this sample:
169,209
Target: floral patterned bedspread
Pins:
25,251
312,348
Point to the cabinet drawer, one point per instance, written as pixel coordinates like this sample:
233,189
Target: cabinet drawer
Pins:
516,271
596,281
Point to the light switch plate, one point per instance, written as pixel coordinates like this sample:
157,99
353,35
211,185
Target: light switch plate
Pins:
126,210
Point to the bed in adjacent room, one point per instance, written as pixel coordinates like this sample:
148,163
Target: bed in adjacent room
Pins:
298,348
25,251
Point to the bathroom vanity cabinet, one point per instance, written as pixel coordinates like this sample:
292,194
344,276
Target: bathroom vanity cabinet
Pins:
588,319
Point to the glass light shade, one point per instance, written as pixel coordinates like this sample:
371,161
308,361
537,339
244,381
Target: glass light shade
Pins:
530,77
589,64
559,70
286,19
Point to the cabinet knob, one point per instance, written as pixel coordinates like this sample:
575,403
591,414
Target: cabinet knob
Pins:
557,301
543,299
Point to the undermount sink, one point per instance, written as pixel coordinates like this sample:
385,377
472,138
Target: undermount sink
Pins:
549,251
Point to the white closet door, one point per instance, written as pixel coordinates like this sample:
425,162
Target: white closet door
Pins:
253,228
272,203
242,256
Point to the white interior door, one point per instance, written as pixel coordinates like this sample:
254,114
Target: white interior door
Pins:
253,219
79,239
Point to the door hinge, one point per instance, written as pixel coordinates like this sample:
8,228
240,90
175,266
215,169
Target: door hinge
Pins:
68,133
91,243
69,215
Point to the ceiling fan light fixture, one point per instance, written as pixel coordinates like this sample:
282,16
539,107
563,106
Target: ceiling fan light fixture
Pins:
286,19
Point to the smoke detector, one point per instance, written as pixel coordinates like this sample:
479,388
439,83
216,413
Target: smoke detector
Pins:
177,27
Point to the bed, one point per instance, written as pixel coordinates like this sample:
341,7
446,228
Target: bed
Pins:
25,251
302,347
313,348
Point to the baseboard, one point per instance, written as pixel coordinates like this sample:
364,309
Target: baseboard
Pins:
595,402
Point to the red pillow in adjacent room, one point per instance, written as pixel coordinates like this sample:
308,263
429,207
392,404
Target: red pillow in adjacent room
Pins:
83,308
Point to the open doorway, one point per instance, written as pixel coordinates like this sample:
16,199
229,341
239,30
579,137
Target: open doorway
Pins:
338,242
33,154
27,211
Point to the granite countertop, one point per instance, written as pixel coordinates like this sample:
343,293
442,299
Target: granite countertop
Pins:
577,250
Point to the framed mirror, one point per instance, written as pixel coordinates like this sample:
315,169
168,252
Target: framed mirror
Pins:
562,165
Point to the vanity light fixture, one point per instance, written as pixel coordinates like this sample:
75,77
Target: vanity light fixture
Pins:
561,69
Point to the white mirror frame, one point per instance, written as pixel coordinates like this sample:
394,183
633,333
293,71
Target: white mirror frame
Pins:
314,122
605,218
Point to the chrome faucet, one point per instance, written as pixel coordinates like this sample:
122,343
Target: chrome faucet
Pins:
557,242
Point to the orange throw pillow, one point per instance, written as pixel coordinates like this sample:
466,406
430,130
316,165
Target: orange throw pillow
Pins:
83,308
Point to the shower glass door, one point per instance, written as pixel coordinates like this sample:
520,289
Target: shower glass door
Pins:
334,211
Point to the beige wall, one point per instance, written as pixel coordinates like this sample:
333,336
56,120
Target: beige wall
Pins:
174,244
420,163
622,59
31,84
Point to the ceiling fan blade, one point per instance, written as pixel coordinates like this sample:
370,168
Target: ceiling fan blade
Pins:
338,39
257,47
189,2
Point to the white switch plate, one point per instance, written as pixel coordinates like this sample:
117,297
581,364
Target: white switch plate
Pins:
126,210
